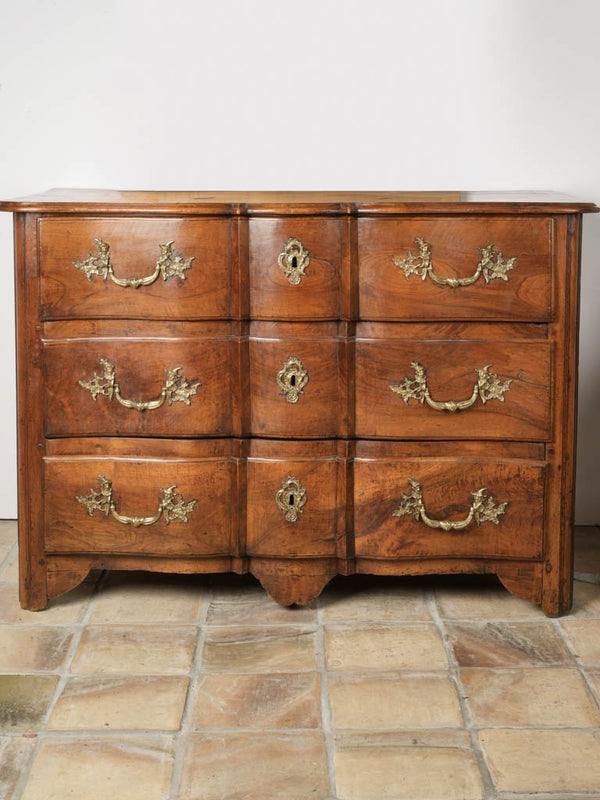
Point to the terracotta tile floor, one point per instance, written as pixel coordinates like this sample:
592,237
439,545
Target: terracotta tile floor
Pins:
195,688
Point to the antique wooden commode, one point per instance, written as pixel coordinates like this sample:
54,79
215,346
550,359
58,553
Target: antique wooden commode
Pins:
297,385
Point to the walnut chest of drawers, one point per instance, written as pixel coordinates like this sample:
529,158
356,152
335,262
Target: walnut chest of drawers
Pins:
297,385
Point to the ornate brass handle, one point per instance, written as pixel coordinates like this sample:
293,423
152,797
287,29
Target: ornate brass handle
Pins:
291,498
487,387
170,264
171,506
293,260
488,267
292,378
483,509
176,388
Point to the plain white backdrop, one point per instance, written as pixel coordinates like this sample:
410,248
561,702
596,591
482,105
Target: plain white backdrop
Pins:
312,94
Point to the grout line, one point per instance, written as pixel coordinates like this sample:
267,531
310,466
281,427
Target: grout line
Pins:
486,778
77,628
194,672
578,664
4,563
326,724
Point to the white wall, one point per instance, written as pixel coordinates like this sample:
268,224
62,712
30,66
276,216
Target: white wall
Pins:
316,94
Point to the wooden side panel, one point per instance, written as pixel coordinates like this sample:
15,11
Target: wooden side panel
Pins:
134,250
30,428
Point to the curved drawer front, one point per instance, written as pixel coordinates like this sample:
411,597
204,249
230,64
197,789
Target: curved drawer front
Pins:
95,505
109,387
453,389
295,266
455,268
293,504
134,268
295,388
494,509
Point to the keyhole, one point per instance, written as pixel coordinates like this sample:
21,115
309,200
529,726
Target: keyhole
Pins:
291,499
293,380
294,262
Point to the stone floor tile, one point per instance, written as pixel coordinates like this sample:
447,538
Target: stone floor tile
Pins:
586,600
241,605
584,635
10,570
594,676
507,644
469,597
262,701
120,649
8,533
88,768
392,701
131,598
24,700
529,697
420,765
383,600
99,702
382,647
15,752
543,760
64,610
256,766
587,549
33,649
255,649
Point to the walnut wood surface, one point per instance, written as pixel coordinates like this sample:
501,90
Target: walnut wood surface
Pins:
136,492
356,323
524,412
134,250
385,292
272,296
447,495
72,411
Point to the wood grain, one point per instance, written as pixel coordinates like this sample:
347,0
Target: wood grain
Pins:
134,250
385,293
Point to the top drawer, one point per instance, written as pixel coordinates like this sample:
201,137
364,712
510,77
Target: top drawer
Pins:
134,267
295,268
456,268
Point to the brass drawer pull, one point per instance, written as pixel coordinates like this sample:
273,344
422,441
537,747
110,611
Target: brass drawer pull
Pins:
293,260
292,378
290,498
170,265
483,509
176,388
171,506
421,266
487,387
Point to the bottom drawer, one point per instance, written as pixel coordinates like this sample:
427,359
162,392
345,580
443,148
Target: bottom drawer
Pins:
296,497
449,507
171,507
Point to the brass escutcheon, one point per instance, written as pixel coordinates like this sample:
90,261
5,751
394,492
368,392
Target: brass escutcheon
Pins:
293,260
292,378
291,498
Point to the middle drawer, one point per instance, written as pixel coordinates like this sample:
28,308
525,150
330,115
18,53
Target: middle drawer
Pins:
135,379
